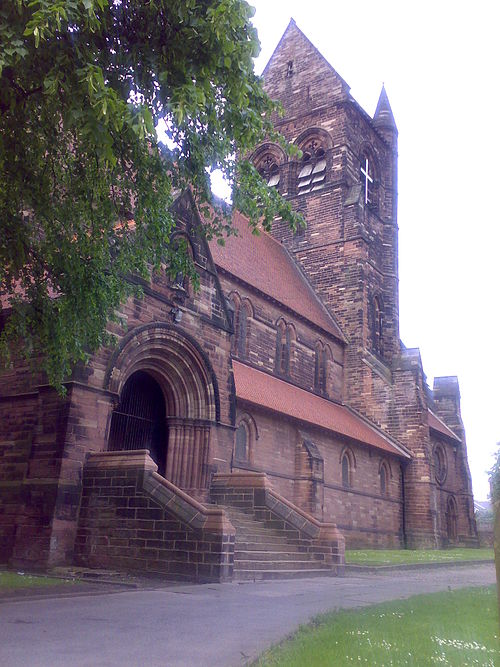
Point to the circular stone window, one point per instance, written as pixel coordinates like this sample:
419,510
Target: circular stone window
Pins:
439,464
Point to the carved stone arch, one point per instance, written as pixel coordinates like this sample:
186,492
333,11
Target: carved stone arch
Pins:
268,159
181,369
252,424
268,148
350,454
318,134
248,305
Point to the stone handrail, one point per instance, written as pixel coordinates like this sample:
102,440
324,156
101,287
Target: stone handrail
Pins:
169,496
265,496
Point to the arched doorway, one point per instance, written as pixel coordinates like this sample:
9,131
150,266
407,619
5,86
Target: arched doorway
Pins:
139,420
451,519
169,370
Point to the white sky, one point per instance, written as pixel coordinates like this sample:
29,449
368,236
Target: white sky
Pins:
439,61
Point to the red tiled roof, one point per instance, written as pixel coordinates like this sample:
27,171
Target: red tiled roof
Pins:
264,263
269,392
437,425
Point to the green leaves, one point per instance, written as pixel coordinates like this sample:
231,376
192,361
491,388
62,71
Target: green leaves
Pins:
83,84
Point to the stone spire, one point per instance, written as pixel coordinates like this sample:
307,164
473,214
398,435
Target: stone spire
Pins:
384,118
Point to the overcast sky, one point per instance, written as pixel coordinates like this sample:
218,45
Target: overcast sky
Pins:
439,61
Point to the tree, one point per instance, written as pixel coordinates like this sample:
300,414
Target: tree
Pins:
86,189
495,500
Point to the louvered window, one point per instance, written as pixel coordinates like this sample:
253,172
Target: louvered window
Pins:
312,174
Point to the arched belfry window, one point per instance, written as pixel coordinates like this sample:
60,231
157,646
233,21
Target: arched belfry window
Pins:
269,170
312,168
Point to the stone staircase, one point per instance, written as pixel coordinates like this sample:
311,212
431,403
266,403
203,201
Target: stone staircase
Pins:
270,550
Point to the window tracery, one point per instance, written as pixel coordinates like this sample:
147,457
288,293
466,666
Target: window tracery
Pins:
312,169
269,170
440,468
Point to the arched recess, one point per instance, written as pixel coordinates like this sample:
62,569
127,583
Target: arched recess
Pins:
451,519
347,462
385,475
182,371
246,435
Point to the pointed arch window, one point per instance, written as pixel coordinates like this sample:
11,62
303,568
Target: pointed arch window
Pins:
346,472
312,168
241,443
320,368
284,339
384,478
245,437
241,338
241,314
347,465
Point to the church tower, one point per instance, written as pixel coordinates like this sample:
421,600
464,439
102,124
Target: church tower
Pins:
345,185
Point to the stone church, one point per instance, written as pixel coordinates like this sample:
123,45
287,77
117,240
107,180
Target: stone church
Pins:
254,427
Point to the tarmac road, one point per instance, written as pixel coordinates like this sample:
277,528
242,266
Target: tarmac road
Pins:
216,625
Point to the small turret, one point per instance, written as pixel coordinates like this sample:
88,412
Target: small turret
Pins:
383,118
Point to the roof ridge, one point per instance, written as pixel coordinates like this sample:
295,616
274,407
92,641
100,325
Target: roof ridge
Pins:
315,294
293,24
441,421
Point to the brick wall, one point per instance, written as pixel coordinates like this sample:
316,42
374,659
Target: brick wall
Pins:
364,515
132,519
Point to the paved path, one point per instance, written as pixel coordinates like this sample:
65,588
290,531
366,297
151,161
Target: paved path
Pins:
216,625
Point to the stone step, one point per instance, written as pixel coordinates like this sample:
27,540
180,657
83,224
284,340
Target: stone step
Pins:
296,565
268,545
263,575
266,555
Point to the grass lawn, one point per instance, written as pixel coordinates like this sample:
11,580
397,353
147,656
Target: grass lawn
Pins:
402,556
457,628
10,581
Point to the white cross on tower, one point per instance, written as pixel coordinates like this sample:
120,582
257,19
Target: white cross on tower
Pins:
368,180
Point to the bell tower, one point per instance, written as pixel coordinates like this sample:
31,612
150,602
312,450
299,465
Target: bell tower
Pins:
345,185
